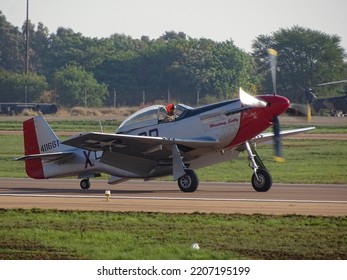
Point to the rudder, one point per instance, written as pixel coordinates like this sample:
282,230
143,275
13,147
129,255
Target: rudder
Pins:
39,138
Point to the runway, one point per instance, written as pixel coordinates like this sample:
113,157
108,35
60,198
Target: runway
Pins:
158,196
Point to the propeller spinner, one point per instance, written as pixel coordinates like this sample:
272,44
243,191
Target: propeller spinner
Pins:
248,100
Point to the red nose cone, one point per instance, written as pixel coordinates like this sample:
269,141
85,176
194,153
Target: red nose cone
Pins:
276,104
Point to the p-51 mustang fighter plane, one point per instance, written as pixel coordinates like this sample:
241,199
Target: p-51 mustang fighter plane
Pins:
148,146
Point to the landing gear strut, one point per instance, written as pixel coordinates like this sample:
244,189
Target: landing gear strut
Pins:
187,179
85,184
261,178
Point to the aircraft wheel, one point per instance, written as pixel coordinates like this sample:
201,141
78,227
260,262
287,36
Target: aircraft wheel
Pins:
85,184
265,181
188,182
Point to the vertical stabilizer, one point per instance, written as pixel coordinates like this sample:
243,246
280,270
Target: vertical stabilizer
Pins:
39,138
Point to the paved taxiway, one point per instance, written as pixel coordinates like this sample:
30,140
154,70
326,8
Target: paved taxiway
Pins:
155,196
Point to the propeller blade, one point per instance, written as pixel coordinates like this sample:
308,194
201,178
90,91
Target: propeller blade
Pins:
273,66
249,100
332,83
277,140
309,113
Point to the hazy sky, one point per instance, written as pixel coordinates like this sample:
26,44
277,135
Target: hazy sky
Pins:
219,20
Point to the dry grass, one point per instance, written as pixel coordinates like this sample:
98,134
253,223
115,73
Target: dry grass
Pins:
117,113
29,113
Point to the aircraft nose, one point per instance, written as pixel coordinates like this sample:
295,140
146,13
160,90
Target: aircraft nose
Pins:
276,105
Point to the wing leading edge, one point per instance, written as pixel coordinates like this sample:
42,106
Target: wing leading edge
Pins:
267,137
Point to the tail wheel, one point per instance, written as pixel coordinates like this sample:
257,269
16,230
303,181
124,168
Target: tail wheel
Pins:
188,182
85,184
264,181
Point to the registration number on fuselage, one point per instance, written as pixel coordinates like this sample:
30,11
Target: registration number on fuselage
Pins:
49,146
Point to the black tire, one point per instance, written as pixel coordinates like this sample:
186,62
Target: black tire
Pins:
85,184
188,182
265,181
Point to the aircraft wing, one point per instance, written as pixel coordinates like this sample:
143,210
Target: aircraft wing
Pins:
95,141
138,154
269,137
133,143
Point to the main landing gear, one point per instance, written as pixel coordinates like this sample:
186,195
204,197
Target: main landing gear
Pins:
188,182
261,178
85,184
187,179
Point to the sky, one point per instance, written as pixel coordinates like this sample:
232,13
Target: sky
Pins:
220,20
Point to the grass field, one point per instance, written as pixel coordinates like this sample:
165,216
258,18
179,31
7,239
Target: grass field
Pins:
40,234
51,234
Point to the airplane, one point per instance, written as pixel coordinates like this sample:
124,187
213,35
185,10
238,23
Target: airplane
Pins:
312,104
337,105
147,146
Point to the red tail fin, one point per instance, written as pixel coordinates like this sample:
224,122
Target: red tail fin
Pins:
33,167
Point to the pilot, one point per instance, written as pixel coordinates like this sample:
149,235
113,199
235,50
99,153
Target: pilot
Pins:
170,109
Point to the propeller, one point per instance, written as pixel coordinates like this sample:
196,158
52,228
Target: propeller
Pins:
273,66
276,124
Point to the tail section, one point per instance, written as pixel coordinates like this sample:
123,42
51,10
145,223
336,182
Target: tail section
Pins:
39,139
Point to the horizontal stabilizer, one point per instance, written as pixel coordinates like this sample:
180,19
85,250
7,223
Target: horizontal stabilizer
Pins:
47,156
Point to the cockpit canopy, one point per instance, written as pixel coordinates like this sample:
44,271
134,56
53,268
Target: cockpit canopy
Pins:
151,115
157,114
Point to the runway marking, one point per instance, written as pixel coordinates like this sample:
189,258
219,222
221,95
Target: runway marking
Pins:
179,198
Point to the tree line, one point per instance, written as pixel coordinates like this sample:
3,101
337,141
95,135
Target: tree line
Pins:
71,69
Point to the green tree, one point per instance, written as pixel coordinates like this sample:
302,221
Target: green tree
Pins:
209,68
76,87
11,46
18,87
306,57
233,69
65,47
119,74
188,68
153,70
196,62
38,47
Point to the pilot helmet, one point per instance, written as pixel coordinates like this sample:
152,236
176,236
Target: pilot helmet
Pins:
171,108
